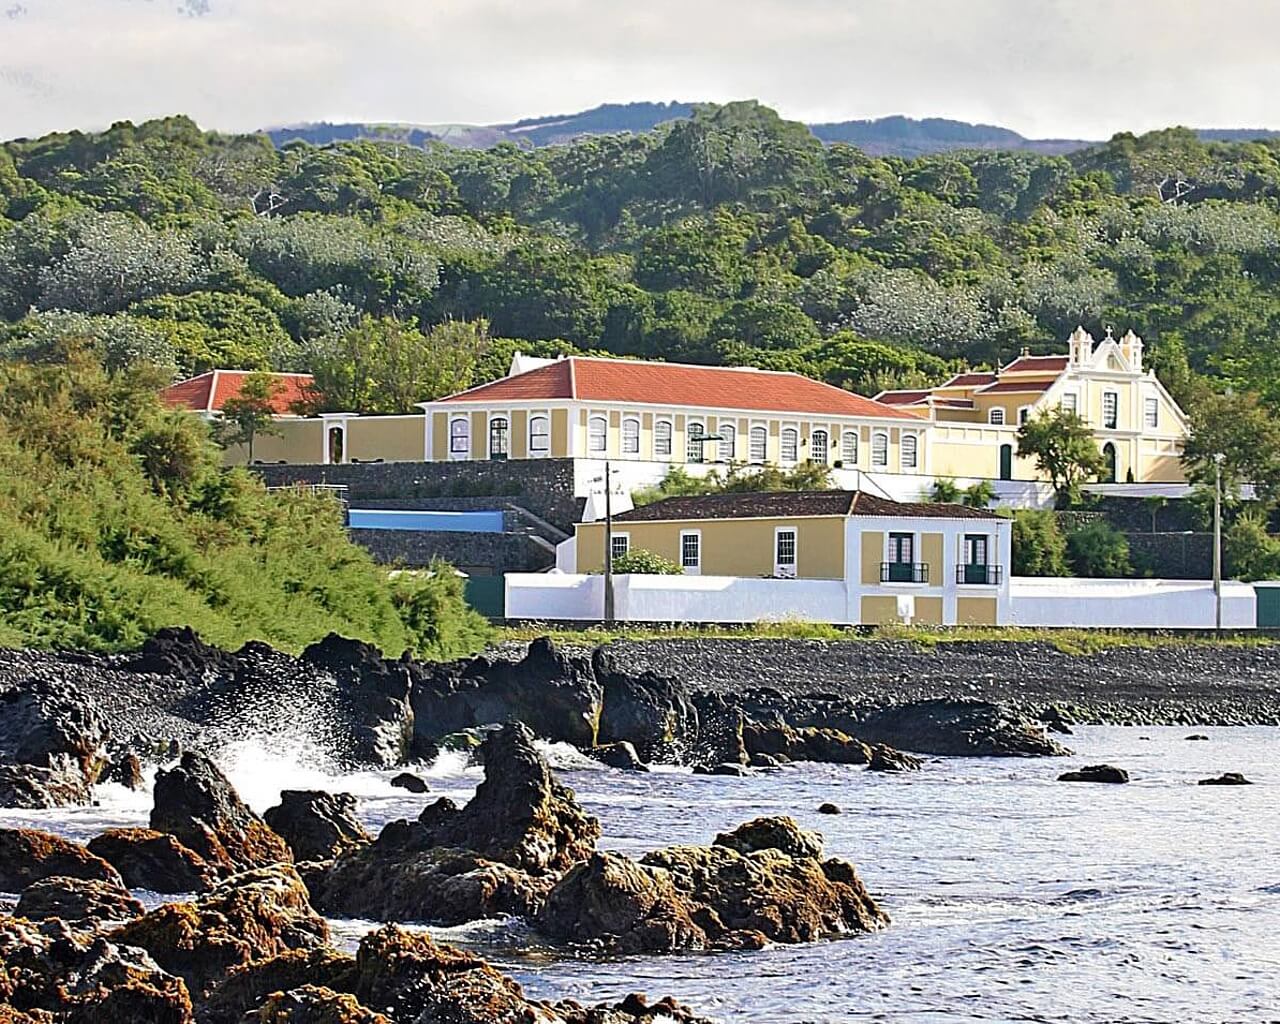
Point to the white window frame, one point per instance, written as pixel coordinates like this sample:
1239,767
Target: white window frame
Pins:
789,453
1151,413
846,458
880,459
1024,414
826,446
689,447
1070,406
625,538
661,427
603,448
1114,396
631,443
902,452
995,416
764,444
779,567
729,443
533,445
455,451
696,568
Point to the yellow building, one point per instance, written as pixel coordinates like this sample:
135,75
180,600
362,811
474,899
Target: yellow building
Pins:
974,417
899,561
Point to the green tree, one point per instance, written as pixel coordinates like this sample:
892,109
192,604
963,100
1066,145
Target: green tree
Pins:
1247,436
1097,549
251,413
1039,548
945,491
1064,449
980,494
1249,551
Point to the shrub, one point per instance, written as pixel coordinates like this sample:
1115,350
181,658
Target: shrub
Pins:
1098,550
1248,551
1039,548
645,562
945,491
979,495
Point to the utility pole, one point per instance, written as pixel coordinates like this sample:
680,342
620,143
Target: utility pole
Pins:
608,547
1217,543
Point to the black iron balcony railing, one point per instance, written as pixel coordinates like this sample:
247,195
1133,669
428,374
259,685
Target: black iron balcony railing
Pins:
904,572
982,575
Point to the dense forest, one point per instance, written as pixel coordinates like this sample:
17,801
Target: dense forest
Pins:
733,236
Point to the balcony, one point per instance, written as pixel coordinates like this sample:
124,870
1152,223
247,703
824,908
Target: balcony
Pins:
979,575
904,572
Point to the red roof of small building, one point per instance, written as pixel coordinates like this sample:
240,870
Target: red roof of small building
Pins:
902,397
712,387
1037,364
970,380
1016,387
209,392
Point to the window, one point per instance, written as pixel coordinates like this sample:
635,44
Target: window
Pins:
460,436
620,544
691,552
499,446
662,439
996,417
1151,412
630,437
597,434
910,451
849,448
975,549
790,445
784,552
1024,414
758,439
1069,403
539,434
901,566
975,569
728,439
901,548
1110,409
693,443
818,447
879,449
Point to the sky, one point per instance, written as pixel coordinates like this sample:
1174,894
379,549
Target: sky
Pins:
1046,68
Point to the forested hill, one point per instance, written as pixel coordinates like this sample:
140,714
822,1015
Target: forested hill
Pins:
881,136
730,236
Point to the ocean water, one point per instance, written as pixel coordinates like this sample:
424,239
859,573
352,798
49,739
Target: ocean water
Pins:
1014,897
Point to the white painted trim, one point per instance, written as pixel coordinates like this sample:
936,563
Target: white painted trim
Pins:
695,570
453,456
795,543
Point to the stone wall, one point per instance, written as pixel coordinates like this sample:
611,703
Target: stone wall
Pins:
477,554
1172,556
543,486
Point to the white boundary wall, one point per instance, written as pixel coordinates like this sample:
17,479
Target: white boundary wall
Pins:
1049,602
1129,604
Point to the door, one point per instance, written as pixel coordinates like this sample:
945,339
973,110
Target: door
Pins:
901,565
1006,462
499,444
974,569
784,553
1109,461
1268,606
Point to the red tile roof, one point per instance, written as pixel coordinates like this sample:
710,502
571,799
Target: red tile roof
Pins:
712,387
970,380
1016,387
793,504
1037,364
902,397
209,392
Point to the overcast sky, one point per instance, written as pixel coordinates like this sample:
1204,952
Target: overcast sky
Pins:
1046,68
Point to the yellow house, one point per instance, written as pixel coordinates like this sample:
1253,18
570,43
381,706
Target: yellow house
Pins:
974,417
899,561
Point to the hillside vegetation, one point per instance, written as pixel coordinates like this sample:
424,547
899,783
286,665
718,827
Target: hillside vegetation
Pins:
733,236
115,520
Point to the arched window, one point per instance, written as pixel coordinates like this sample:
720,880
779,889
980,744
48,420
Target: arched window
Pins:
879,449
539,434
693,443
818,447
790,444
758,444
631,436
499,438
996,417
662,439
728,441
849,448
597,434
909,454
460,437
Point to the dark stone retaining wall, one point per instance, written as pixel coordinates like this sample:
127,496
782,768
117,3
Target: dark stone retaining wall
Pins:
1173,556
478,554
543,486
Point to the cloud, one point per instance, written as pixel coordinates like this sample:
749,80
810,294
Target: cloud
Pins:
1069,68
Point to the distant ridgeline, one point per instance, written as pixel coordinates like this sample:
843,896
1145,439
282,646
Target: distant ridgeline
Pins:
881,136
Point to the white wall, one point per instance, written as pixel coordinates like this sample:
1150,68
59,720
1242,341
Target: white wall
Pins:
554,595
1129,604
